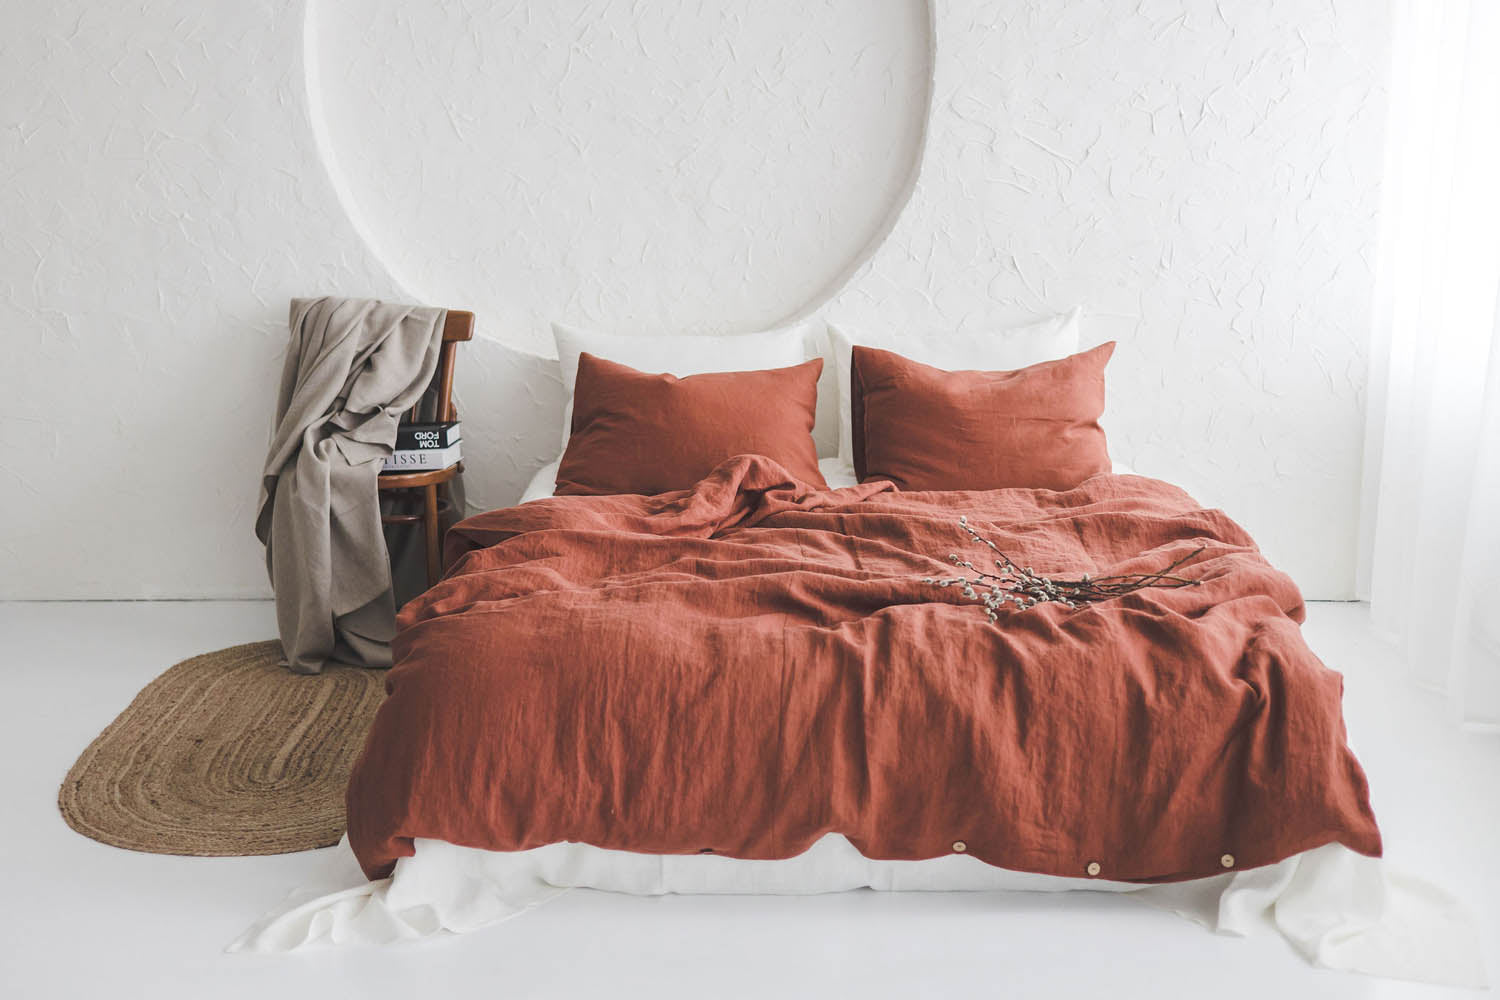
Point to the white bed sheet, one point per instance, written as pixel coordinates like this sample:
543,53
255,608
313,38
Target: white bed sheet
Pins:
838,475
1339,909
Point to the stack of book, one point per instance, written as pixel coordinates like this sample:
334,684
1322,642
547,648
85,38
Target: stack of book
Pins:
424,448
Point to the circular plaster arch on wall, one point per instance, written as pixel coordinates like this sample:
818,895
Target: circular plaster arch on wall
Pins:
655,167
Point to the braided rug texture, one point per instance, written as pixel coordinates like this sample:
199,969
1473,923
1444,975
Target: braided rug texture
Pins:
226,754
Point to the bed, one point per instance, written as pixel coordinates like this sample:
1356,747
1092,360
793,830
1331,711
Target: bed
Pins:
752,684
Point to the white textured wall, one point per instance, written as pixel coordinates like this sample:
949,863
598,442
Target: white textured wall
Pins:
1203,177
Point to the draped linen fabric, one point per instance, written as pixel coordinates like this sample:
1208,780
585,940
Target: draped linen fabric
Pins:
352,367
1338,909
614,670
1430,554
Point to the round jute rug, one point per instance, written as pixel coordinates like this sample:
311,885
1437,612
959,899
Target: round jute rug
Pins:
226,754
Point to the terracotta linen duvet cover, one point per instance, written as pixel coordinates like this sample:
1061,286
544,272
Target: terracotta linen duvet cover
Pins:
748,665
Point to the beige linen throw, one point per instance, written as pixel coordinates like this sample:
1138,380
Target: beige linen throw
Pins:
352,367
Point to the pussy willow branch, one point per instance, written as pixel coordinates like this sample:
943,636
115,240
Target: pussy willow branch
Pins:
1025,588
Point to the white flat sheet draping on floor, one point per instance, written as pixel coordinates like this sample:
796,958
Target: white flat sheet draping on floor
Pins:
1337,908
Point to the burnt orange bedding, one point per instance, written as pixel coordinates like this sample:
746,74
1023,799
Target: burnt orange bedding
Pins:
746,666
635,432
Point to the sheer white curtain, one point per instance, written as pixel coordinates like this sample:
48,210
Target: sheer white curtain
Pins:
1430,559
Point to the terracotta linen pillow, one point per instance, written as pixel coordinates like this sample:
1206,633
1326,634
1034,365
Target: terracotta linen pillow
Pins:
639,433
924,428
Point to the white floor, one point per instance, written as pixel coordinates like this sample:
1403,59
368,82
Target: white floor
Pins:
78,919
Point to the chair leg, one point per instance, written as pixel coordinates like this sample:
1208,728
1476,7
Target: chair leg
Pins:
430,522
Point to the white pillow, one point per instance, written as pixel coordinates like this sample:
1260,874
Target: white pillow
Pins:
685,354
991,350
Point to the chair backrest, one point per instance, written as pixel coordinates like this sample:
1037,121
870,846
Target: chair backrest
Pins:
458,327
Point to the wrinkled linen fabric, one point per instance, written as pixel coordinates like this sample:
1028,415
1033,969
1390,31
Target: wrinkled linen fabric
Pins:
543,482
1340,910
352,367
925,428
747,666
446,887
637,432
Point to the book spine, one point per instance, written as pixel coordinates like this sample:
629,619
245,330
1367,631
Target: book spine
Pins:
413,436
421,460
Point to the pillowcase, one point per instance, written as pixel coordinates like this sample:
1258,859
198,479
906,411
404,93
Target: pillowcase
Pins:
690,354
928,429
640,433
990,350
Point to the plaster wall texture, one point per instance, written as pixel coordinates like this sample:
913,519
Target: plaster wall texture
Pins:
1202,177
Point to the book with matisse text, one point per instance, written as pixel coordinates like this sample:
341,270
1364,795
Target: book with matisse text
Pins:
422,459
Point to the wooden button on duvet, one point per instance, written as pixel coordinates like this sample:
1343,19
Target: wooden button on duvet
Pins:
1093,868
959,846
1227,861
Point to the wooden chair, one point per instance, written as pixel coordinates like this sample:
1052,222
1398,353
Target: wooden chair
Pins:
458,327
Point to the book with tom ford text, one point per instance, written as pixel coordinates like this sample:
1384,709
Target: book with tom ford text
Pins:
427,435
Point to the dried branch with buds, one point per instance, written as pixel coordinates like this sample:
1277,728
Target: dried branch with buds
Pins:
1025,588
